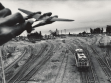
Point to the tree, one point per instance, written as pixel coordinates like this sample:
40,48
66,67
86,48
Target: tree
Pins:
102,30
40,35
108,29
35,35
69,33
91,30
54,33
84,32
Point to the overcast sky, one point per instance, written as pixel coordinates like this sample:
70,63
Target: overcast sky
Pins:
87,14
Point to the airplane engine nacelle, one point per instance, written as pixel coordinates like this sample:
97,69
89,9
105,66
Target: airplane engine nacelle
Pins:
55,16
38,12
47,14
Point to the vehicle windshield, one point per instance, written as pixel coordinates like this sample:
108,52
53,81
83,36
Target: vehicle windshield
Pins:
81,55
80,52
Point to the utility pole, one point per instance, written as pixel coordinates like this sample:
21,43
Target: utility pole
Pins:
61,33
86,30
65,31
2,66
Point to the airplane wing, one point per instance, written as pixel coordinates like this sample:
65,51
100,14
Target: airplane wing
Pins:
39,24
60,19
36,16
45,16
25,11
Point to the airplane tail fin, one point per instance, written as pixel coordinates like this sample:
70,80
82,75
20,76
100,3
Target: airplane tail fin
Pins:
25,11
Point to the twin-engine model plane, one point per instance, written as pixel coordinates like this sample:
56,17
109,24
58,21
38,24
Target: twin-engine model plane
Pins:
44,19
30,14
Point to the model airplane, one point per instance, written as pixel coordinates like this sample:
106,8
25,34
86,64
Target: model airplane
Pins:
36,15
46,18
30,14
50,20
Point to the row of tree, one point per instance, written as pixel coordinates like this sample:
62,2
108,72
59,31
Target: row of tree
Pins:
108,29
100,30
35,35
96,30
54,33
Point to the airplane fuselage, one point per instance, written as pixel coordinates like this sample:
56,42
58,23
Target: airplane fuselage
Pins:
44,19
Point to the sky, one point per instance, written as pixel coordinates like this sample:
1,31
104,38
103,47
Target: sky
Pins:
86,13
